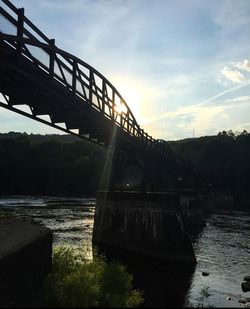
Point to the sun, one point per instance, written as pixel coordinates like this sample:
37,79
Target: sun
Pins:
132,97
121,108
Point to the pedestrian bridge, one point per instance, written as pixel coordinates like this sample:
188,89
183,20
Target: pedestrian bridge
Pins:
74,96
47,84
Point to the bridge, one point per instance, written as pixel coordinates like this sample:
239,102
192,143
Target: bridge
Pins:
47,84
62,91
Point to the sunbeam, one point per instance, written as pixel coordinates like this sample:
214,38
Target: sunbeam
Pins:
106,178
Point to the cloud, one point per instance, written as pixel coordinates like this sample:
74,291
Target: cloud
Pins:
187,112
239,99
196,107
233,75
235,88
244,65
182,122
203,118
237,72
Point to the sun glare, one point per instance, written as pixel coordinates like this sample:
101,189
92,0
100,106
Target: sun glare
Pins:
121,108
132,98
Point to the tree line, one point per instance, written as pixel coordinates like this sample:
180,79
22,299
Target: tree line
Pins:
224,158
66,165
49,165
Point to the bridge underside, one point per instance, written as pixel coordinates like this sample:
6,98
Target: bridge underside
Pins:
25,84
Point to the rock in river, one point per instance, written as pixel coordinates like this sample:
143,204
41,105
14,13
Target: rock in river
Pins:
245,286
204,273
242,301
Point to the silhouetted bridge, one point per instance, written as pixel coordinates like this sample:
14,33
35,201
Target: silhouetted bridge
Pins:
55,83
42,82
62,91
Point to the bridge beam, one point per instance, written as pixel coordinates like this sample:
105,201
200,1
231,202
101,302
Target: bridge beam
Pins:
20,29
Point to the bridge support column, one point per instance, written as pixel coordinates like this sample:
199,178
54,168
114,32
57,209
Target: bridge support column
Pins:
148,224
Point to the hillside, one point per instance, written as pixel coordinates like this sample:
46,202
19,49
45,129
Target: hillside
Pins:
66,165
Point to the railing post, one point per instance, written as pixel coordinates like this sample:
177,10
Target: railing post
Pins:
20,26
74,77
103,96
52,58
90,86
121,116
113,105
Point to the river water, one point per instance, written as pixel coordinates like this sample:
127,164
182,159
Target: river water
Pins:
222,248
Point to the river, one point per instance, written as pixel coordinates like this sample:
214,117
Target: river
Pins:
222,248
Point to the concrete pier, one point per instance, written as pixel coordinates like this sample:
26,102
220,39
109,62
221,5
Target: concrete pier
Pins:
193,207
150,224
25,261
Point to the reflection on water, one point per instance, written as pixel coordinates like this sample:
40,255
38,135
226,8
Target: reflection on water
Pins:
70,219
163,285
222,249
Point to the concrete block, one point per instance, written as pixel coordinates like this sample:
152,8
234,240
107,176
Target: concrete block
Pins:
25,261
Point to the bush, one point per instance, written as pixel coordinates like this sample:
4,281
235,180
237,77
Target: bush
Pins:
78,282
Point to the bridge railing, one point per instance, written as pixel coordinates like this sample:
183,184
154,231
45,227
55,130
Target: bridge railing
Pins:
76,75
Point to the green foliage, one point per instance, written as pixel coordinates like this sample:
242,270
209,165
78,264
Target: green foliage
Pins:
78,282
31,166
224,158
64,165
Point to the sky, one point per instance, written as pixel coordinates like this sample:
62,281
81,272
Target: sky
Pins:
182,66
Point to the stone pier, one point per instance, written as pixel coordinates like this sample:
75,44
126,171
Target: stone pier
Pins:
149,224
